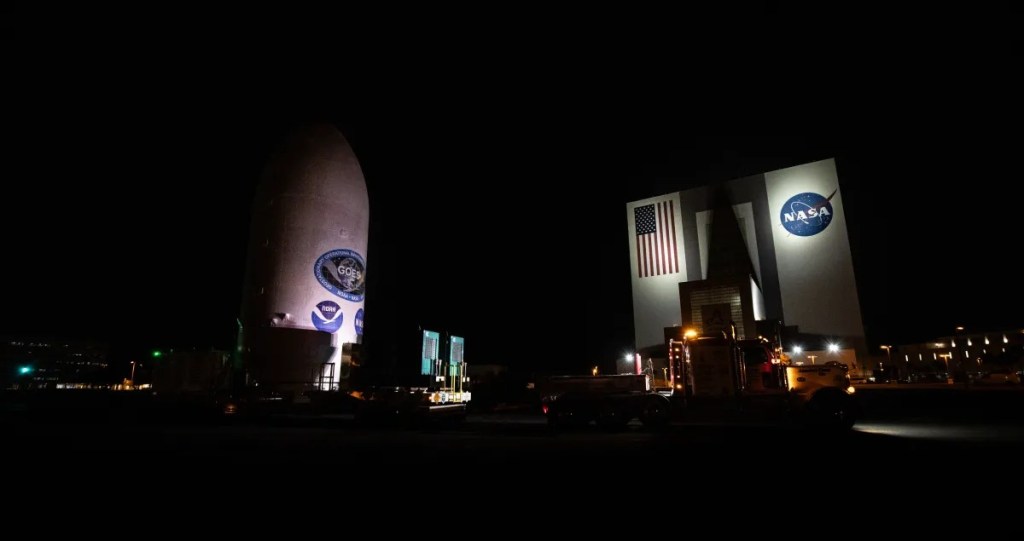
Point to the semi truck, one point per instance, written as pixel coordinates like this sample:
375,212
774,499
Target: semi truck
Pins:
713,378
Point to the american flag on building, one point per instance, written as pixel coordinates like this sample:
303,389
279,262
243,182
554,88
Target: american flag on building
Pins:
656,252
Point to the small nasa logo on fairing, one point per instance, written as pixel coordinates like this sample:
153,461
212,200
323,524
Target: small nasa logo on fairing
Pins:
342,272
806,214
328,317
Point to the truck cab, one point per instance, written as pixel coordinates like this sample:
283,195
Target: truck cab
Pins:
710,378
749,378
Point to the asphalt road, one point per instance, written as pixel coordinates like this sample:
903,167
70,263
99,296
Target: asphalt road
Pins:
488,439
923,459
933,429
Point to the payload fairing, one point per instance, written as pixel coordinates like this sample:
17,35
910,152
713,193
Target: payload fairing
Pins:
306,271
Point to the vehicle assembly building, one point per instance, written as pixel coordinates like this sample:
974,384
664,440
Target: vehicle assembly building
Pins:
768,247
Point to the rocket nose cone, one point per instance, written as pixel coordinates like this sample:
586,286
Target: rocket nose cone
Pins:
315,159
321,138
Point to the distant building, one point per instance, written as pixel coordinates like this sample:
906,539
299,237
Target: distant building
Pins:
767,248
51,363
962,353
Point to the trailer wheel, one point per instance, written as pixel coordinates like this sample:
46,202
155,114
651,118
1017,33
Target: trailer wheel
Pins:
655,413
612,417
832,409
565,418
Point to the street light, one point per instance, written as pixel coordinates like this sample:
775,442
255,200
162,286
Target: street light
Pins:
133,374
888,353
961,365
947,357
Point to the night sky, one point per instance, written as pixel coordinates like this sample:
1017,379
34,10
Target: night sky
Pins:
497,208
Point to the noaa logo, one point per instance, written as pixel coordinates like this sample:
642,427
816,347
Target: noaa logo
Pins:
327,317
807,214
342,272
359,322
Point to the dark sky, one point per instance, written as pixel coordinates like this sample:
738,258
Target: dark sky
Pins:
497,206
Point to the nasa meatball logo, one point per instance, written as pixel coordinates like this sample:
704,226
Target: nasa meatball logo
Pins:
343,273
359,322
327,317
807,214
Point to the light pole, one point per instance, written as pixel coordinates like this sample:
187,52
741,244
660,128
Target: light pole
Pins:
959,331
132,379
888,354
947,357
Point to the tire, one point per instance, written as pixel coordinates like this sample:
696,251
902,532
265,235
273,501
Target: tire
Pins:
832,409
655,414
565,418
612,417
